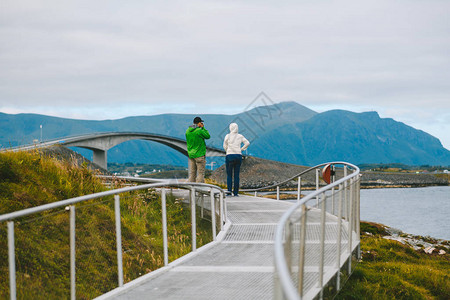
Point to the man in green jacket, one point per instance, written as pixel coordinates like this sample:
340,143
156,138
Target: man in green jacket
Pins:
196,135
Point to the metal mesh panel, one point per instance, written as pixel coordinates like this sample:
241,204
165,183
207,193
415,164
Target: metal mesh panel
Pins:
230,254
255,217
250,232
266,205
205,285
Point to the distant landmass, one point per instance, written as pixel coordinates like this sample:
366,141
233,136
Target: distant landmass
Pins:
286,132
354,137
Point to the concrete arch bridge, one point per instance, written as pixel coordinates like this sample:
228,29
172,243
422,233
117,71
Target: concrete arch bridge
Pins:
100,143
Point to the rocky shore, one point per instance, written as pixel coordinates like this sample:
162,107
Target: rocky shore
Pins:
385,179
426,244
258,172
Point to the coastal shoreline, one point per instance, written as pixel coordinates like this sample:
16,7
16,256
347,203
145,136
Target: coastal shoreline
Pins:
426,244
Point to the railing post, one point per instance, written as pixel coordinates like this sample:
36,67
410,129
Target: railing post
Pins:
164,226
358,213
288,247
225,209
193,221
302,246
354,203
317,186
278,192
346,194
12,261
350,226
332,190
322,242
339,238
222,214
299,188
213,214
118,239
72,253
202,201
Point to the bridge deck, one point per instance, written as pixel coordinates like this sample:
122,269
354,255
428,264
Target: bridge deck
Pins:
240,264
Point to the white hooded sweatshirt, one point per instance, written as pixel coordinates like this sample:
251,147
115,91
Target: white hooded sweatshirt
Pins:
233,141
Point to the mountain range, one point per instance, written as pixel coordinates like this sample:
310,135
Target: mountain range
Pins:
286,132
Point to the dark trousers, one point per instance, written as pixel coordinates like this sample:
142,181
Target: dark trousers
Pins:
233,165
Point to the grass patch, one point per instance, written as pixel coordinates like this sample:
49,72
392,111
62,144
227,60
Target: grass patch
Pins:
29,179
391,270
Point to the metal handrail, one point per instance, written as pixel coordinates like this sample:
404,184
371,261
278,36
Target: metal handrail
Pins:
203,188
285,288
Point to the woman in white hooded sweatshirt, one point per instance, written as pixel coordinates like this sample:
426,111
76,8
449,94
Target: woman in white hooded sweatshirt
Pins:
233,147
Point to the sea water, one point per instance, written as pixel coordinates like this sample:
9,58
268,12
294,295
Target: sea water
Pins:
419,211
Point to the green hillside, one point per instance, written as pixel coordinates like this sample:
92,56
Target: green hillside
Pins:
42,241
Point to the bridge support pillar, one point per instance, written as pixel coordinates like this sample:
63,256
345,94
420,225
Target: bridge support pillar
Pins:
99,158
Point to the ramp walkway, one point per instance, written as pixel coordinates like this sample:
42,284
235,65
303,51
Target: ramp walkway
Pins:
240,264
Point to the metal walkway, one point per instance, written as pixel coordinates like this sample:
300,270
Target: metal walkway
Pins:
240,264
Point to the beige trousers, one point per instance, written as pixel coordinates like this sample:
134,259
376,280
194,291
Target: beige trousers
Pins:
196,169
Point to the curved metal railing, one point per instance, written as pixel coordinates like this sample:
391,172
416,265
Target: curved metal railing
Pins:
297,177
216,197
336,205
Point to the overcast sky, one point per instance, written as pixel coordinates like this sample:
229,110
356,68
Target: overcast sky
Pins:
112,59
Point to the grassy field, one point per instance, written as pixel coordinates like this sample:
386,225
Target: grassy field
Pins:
391,270
29,179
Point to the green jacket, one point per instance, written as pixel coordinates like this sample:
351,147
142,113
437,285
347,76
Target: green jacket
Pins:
195,139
